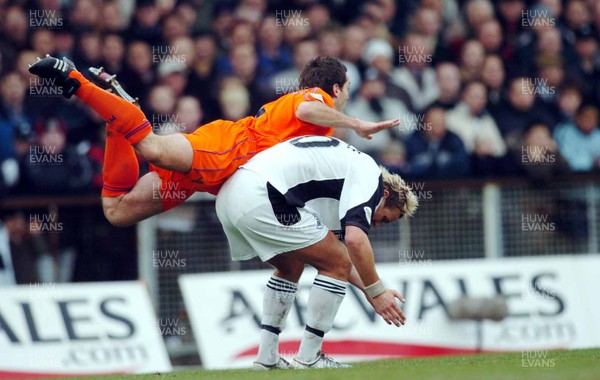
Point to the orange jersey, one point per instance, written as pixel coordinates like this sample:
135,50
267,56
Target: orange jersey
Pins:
277,121
220,147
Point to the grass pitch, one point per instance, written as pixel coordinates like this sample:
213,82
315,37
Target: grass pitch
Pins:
557,365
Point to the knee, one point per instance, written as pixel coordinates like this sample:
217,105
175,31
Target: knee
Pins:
343,267
115,216
290,271
339,266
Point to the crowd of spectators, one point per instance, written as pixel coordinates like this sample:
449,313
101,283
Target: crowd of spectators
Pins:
482,88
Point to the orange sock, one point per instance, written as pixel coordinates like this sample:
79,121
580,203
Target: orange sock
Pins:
121,169
118,113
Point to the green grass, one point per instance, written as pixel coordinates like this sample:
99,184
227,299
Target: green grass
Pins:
568,365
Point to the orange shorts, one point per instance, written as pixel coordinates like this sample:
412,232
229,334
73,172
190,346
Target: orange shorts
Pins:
220,147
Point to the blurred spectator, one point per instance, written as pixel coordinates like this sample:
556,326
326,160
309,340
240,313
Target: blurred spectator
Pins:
537,155
547,44
378,59
138,74
161,103
372,104
145,26
448,81
416,77
520,108
549,78
472,56
569,101
234,99
13,115
378,16
288,80
273,55
189,114
245,66
579,141
393,157
477,13
296,27
510,16
65,42
14,29
318,17
172,28
222,22
477,130
112,18
54,167
251,10
84,14
204,74
186,12
577,15
435,152
89,49
43,42
113,53
174,75
493,76
354,42
490,37
330,40
588,62
242,33
27,246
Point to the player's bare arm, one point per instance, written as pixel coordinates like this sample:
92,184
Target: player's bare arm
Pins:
320,114
361,254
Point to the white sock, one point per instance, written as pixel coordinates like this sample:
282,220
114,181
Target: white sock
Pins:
326,296
277,302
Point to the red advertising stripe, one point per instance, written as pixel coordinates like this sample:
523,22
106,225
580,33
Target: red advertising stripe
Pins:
369,348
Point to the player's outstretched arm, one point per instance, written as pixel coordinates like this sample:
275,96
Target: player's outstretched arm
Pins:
318,113
383,300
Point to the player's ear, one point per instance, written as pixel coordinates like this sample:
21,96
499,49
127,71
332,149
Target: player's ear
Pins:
386,193
336,90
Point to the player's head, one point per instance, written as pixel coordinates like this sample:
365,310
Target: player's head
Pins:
329,74
399,200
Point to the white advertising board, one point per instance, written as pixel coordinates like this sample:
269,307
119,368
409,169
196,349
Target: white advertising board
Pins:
59,330
552,304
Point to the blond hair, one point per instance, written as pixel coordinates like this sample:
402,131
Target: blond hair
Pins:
401,194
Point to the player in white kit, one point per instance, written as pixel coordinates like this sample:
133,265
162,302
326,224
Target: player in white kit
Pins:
290,205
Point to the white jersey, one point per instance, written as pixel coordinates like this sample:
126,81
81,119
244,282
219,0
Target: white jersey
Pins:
324,175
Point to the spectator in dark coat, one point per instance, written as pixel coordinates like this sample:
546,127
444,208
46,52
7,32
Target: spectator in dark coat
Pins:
434,151
520,108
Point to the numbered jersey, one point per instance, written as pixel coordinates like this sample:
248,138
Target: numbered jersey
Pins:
340,184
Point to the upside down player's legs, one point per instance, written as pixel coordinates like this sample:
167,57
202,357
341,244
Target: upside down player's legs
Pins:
171,152
119,114
121,167
138,204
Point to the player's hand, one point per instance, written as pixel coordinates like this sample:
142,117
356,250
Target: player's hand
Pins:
367,128
385,305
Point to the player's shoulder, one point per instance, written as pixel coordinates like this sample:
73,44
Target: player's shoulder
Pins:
313,94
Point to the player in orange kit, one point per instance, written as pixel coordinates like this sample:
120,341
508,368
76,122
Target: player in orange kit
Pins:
182,164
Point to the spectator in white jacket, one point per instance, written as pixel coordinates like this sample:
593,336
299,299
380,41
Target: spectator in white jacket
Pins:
477,129
416,76
373,104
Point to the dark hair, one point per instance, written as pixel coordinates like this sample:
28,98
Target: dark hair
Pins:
323,72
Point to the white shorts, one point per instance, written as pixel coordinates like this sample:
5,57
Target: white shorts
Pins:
244,209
